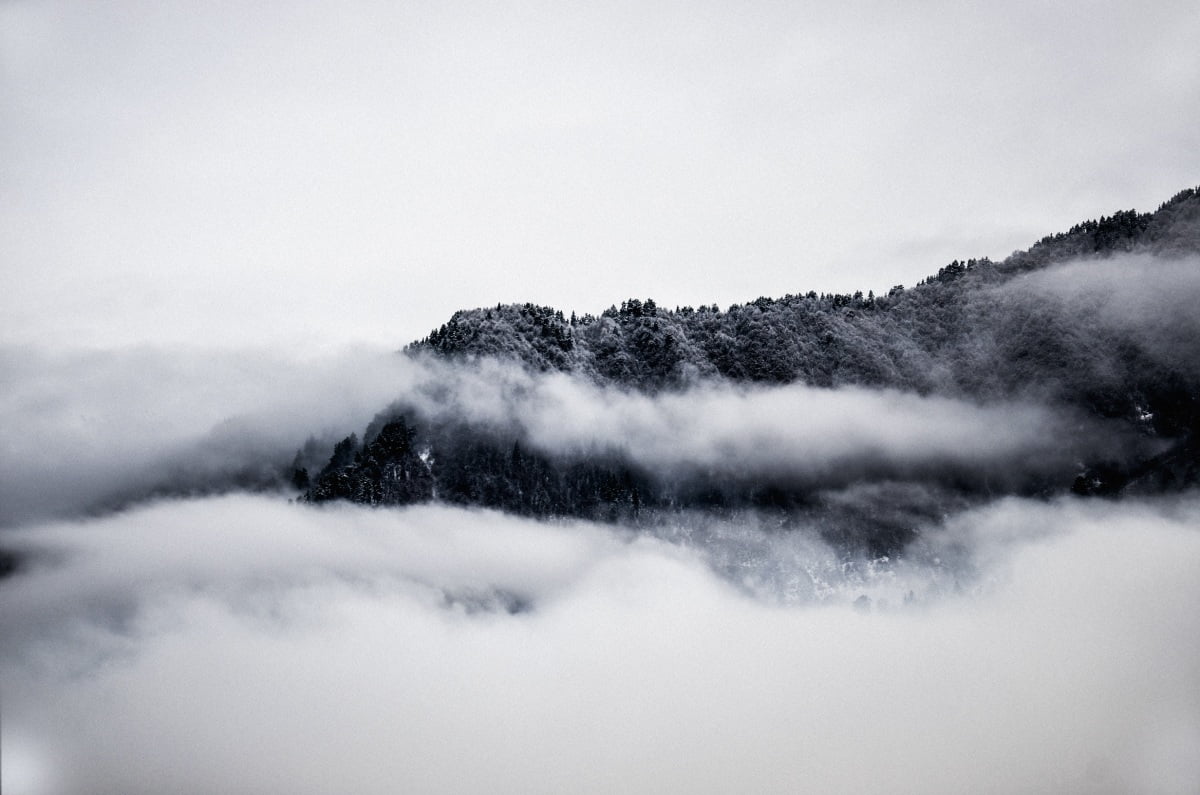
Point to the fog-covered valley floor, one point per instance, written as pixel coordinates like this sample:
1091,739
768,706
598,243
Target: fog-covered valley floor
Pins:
249,644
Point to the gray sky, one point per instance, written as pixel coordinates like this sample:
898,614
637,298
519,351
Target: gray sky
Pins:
231,173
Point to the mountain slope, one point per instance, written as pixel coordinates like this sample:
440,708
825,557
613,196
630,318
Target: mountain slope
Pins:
1095,323
906,339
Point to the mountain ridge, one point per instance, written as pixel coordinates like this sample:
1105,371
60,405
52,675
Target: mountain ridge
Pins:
656,347
978,332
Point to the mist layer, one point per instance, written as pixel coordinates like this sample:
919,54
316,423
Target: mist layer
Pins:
244,644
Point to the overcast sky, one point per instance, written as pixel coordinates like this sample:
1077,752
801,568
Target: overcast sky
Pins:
255,173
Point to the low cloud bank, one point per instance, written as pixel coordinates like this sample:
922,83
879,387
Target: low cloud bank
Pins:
85,427
792,430
242,644
88,429
789,433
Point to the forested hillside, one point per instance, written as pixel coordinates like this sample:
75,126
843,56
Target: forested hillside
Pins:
1093,322
948,333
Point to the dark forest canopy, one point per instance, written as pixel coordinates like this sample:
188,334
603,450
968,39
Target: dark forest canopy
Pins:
973,331
904,339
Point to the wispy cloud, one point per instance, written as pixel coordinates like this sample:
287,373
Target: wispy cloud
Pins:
86,426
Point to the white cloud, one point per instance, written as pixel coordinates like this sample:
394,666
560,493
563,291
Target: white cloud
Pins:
245,645
793,432
80,426
789,431
97,429
93,427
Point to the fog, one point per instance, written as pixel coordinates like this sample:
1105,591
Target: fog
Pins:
202,204
81,427
244,644
793,429
87,430
237,642
1147,300
793,432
